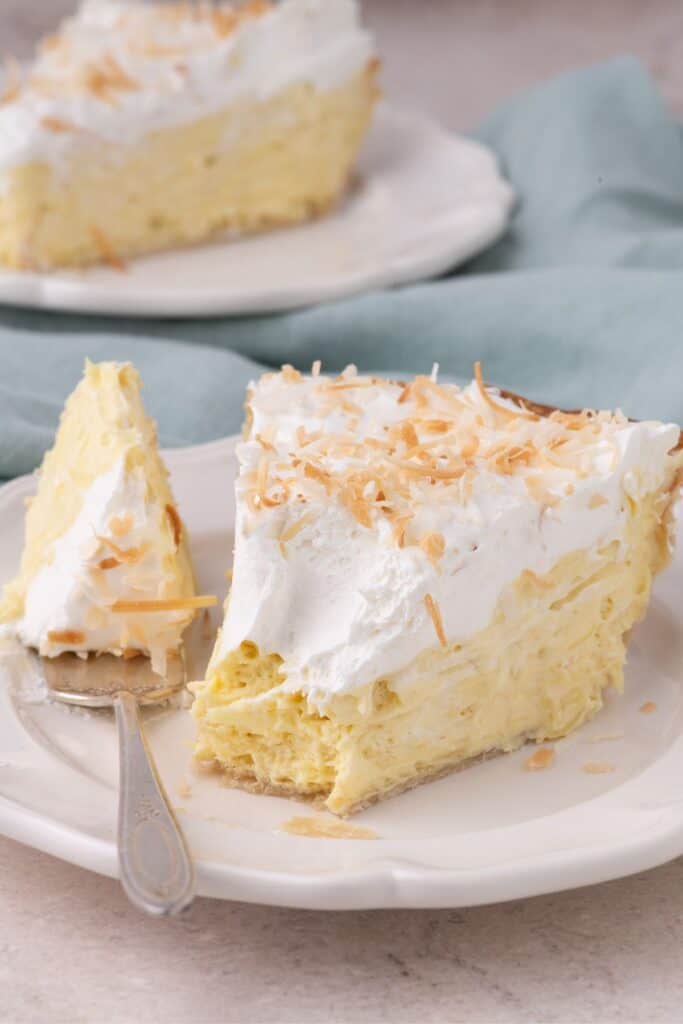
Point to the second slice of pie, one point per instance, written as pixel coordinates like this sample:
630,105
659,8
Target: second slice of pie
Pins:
106,564
424,574
144,126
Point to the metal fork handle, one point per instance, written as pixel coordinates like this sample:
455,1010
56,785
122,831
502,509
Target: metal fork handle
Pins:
156,870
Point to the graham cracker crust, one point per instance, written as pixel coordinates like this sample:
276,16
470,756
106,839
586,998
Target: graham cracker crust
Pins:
318,799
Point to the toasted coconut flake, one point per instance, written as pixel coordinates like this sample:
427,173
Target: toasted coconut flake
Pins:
522,453
597,767
106,249
406,390
169,605
66,636
131,556
224,21
58,125
444,442
254,502
326,828
262,475
517,413
348,383
305,438
436,426
434,472
293,529
467,486
9,94
539,492
268,501
422,387
256,8
267,437
596,500
289,374
175,523
433,545
267,446
315,368
107,78
435,615
350,407
355,504
399,527
409,434
540,760
118,78
470,448
120,525
108,563
648,707
314,472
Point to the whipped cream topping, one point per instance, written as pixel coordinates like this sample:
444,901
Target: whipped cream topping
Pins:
375,520
68,605
117,70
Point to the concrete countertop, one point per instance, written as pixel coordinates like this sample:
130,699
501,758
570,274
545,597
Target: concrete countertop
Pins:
72,949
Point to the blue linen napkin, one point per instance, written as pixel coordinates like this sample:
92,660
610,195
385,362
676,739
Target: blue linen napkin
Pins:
580,304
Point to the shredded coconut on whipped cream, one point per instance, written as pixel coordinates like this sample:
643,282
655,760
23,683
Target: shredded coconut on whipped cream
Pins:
118,70
377,519
111,552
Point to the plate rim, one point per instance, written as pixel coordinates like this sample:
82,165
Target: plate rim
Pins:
65,291
391,879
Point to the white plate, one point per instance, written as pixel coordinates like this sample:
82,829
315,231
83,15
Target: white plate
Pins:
490,833
423,201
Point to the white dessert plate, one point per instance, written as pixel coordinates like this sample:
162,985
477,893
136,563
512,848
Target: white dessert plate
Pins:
422,201
492,832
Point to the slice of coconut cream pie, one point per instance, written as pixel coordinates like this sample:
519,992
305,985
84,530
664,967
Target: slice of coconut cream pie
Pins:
142,126
106,565
423,574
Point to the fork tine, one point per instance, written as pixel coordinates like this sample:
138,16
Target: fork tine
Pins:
95,681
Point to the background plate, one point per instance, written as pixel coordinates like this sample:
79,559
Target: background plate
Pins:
490,833
422,201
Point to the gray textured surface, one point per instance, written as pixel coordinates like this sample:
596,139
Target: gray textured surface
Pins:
72,950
